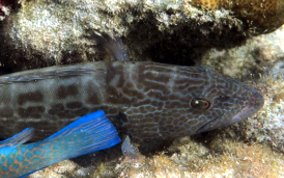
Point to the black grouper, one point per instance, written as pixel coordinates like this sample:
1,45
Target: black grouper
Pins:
147,101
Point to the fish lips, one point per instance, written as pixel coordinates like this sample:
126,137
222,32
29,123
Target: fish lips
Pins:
255,103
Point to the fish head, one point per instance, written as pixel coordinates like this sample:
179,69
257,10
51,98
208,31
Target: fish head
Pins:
167,101
221,101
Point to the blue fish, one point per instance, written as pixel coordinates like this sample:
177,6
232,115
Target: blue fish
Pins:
88,134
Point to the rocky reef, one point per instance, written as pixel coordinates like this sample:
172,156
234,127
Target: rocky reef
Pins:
235,37
264,15
219,158
42,33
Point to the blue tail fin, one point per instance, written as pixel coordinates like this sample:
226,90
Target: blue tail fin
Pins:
20,138
90,133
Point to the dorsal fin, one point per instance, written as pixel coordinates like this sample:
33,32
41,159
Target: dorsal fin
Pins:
113,46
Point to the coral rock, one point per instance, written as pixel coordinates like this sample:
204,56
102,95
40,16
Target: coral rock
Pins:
164,31
266,15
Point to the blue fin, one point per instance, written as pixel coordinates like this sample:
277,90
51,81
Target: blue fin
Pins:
88,134
20,138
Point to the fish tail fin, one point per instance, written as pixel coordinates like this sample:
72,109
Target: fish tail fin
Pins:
18,139
88,134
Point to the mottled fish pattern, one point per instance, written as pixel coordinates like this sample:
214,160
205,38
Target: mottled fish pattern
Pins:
145,100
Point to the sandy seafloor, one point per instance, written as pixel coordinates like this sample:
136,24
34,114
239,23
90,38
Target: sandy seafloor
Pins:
252,148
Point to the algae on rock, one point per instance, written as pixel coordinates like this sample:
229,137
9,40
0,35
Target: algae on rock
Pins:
43,33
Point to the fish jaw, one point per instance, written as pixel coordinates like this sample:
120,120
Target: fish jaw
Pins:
255,103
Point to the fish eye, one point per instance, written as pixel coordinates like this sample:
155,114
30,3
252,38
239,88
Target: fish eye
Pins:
200,104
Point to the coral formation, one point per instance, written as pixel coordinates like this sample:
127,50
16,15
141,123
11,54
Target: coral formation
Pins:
266,14
257,54
164,31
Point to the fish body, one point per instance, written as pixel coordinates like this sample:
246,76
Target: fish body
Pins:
145,100
90,133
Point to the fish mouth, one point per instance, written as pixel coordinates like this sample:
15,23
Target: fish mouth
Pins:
246,112
256,102
207,126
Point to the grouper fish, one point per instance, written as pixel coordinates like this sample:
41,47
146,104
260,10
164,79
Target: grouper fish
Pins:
88,134
147,101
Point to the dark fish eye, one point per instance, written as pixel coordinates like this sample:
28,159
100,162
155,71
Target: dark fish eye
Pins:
200,104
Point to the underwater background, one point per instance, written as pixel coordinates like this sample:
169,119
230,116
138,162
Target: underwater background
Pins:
240,38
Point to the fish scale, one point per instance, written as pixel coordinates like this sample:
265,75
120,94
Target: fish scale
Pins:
145,100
